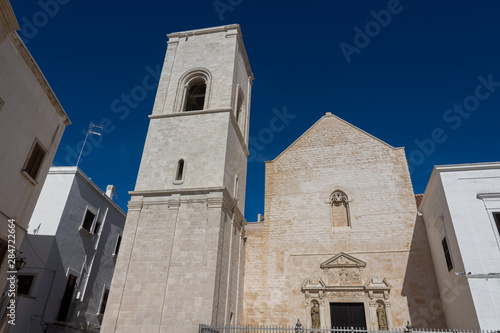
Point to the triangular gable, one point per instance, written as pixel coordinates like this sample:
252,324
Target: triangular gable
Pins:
313,283
328,114
377,283
342,260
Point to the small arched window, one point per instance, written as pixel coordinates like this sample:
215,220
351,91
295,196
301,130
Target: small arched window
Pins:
180,170
239,107
195,96
236,185
340,209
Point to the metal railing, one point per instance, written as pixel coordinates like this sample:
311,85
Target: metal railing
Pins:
298,328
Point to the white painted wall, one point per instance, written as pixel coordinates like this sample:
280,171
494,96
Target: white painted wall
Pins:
60,248
459,202
30,111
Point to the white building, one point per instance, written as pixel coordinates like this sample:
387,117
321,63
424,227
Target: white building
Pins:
70,249
32,123
461,211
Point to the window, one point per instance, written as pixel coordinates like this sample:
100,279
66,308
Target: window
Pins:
180,170
497,221
67,298
447,254
104,300
88,220
3,250
24,284
1,103
193,90
239,107
117,246
340,209
236,188
195,97
34,162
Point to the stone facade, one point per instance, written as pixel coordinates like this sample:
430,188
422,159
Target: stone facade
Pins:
300,256
341,227
182,253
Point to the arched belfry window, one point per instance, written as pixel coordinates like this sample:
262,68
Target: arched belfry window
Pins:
239,107
193,93
195,96
340,209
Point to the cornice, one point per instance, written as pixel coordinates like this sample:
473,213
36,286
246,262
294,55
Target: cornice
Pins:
188,113
230,30
438,169
224,202
204,31
182,191
7,17
467,167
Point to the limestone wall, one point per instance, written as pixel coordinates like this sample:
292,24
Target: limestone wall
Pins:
298,235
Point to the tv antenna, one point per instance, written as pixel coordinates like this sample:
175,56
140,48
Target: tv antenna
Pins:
90,131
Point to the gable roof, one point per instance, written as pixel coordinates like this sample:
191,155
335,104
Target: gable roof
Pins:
327,115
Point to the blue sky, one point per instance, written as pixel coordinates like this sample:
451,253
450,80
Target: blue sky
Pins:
416,74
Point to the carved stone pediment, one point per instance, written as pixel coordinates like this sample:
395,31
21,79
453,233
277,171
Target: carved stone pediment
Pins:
377,286
377,283
343,270
342,260
313,283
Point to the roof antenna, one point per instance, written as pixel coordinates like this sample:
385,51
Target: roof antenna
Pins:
90,131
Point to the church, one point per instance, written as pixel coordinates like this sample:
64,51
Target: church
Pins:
341,242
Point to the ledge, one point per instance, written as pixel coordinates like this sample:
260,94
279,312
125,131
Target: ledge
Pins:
28,177
188,113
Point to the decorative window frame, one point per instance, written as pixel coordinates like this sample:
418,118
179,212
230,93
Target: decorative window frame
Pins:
334,196
240,119
186,81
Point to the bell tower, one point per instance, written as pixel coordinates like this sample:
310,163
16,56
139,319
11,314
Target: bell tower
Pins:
182,253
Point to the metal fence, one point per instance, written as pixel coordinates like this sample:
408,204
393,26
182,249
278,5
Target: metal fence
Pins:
298,328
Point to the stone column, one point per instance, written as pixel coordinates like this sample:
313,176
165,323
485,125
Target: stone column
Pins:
322,313
388,315
372,320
